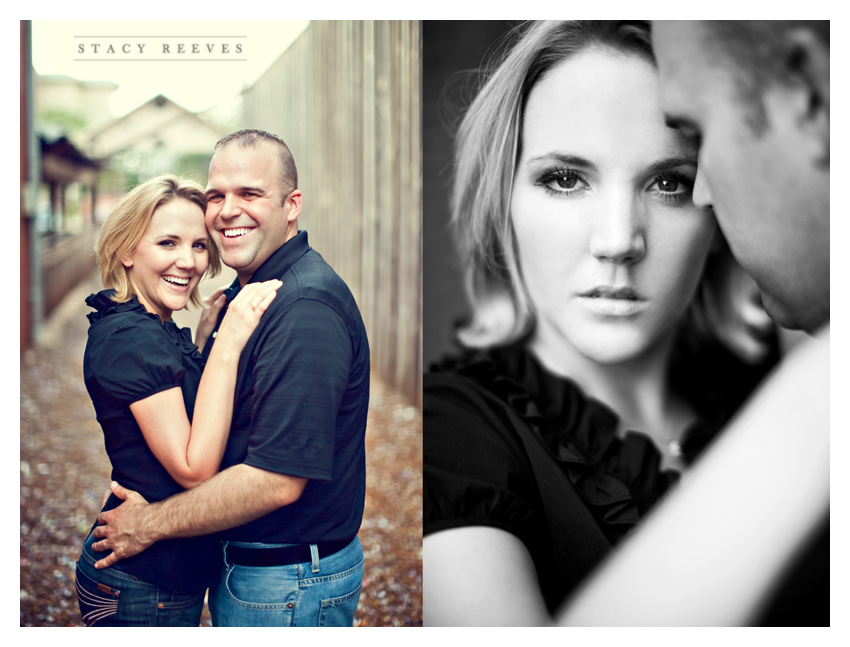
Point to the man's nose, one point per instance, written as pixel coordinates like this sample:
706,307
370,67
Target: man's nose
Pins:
702,194
230,207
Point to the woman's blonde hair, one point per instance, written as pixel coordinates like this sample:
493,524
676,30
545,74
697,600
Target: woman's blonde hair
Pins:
127,223
486,151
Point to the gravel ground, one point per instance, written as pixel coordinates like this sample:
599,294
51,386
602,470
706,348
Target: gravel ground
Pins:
65,473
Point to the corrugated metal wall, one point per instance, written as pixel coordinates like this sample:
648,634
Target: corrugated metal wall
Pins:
346,99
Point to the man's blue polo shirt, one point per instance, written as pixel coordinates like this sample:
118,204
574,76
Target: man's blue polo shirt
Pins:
302,396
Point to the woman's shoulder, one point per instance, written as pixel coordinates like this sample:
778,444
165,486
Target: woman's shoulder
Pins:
468,371
469,410
475,469
111,317
464,381
127,330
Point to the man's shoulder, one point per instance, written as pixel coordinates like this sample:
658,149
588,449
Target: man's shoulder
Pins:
311,277
313,269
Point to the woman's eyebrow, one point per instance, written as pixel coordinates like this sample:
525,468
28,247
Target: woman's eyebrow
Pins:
565,159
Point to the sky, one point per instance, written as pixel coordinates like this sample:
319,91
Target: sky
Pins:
218,59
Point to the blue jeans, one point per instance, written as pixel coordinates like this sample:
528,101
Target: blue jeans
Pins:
320,593
113,598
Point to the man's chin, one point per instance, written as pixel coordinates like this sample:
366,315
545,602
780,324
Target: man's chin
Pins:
806,316
235,260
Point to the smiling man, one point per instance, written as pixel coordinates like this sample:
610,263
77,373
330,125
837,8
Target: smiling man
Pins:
291,492
253,199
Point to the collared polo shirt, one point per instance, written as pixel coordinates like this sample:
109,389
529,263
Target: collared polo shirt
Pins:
302,397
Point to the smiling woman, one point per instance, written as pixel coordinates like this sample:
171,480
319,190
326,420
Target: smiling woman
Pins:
586,386
165,426
168,262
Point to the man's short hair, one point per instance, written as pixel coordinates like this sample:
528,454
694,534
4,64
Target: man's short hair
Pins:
756,52
249,138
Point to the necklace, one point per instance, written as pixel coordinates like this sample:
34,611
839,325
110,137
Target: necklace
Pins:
674,448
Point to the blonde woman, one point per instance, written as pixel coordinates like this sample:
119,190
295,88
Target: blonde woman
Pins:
165,426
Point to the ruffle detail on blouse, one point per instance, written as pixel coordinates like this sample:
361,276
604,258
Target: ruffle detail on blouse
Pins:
618,478
450,498
104,307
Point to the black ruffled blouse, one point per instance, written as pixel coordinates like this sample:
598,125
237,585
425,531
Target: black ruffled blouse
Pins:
510,446
131,355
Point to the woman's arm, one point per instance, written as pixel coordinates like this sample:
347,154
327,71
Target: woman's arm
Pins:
191,453
482,577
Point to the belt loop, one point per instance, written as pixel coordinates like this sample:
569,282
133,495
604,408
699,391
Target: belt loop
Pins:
314,555
224,553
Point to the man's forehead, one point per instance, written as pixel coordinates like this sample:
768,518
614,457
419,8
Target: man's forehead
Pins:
672,46
683,61
250,166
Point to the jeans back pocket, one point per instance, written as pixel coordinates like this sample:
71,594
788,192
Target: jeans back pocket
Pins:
98,601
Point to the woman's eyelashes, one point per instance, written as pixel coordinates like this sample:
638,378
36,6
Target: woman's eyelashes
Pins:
672,186
562,182
198,245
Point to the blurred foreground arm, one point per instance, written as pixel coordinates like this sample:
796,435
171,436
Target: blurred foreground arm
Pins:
715,548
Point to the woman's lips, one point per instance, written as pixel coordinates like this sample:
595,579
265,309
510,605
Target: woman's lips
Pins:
612,292
610,301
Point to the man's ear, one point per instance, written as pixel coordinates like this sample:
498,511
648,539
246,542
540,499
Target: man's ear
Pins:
807,68
293,201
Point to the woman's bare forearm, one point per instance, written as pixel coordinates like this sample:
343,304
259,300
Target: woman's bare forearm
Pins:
213,414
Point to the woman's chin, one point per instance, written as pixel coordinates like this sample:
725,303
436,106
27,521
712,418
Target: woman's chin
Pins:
177,304
612,356
610,349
